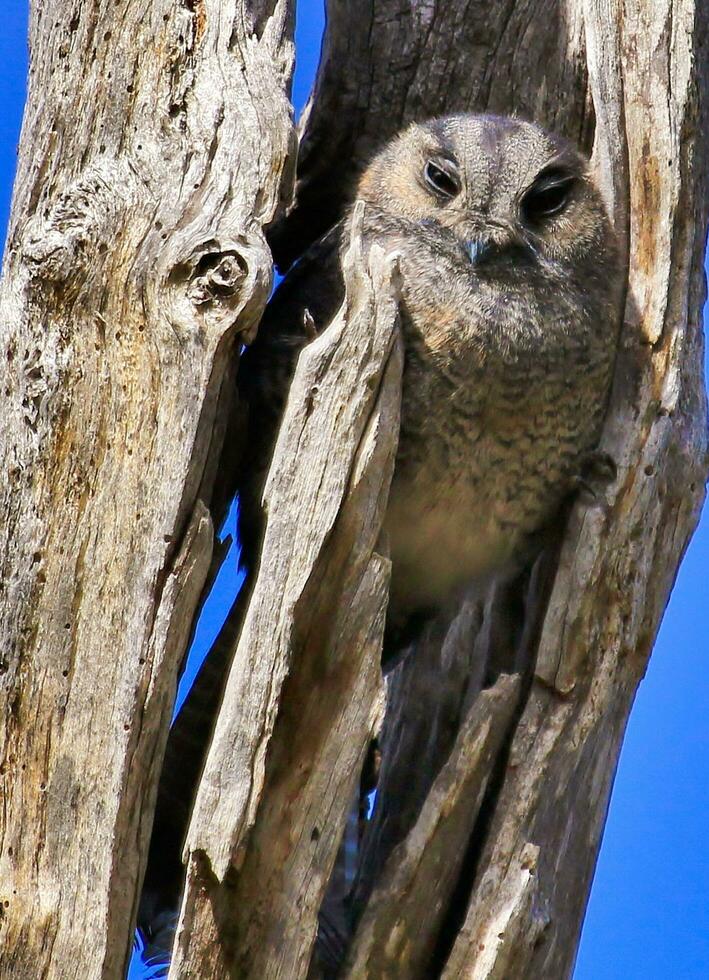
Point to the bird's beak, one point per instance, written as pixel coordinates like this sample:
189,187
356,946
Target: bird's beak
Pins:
478,249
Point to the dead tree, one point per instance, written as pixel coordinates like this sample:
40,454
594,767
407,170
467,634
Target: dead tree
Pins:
156,142
157,147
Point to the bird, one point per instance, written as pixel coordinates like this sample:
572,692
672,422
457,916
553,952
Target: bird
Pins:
510,287
509,316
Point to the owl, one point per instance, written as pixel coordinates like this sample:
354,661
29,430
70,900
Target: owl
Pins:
510,288
509,316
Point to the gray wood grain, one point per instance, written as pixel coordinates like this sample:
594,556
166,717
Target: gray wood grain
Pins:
398,933
619,557
304,692
157,143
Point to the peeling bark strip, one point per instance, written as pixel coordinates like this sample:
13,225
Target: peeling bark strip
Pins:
397,935
304,693
156,145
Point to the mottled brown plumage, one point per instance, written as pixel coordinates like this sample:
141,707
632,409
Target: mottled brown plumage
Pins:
510,287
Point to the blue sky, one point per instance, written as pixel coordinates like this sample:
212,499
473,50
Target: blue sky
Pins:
648,916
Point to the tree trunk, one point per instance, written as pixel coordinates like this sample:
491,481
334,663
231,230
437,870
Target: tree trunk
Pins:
493,789
156,145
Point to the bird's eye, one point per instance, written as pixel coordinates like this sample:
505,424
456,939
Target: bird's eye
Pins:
441,179
547,196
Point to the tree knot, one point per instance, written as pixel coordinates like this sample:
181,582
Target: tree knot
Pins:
217,277
220,283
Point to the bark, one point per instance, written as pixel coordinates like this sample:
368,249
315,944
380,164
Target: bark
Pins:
157,144
393,938
304,693
618,561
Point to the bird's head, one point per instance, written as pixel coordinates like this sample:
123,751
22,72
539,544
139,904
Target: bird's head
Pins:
505,188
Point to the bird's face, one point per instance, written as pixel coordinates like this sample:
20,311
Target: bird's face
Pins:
508,191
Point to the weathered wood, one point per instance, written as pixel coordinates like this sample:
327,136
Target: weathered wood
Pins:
156,145
304,692
428,695
398,932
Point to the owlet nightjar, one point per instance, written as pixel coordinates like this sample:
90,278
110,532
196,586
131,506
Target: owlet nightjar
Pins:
510,287
509,318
